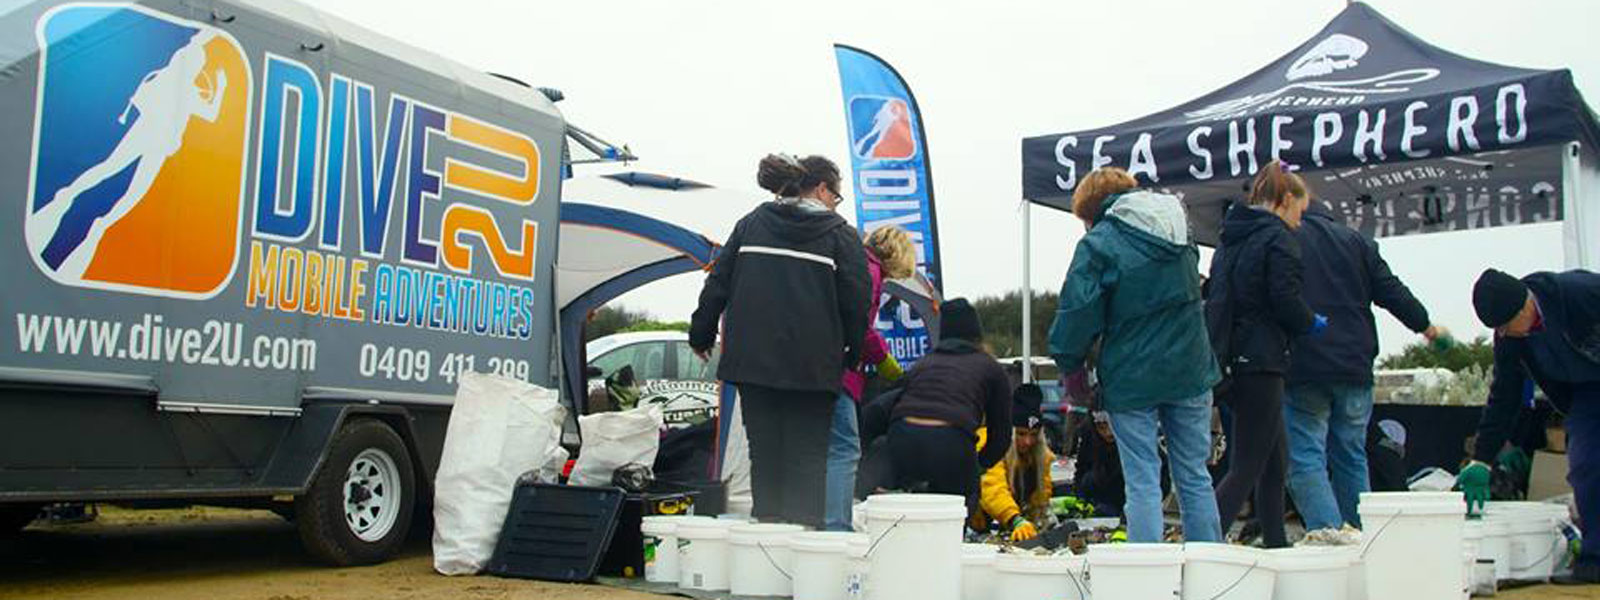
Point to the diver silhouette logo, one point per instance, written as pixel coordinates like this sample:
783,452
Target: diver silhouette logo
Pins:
139,152
880,128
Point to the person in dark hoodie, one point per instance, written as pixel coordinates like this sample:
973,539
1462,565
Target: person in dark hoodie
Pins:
1134,285
945,398
1547,330
1254,311
1328,401
791,289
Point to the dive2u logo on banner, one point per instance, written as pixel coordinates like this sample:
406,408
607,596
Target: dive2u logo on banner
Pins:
139,149
880,129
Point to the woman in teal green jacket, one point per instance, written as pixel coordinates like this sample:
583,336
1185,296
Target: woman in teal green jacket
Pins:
1134,284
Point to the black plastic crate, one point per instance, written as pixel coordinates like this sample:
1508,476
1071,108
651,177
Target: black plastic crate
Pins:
556,532
625,556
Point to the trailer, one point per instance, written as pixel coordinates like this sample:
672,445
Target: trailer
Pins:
252,246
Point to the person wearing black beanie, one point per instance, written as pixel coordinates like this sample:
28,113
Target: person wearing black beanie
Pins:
959,320
1016,492
1499,299
1547,329
945,399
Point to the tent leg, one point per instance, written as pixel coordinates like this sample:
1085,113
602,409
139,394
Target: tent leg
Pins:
1578,220
1027,292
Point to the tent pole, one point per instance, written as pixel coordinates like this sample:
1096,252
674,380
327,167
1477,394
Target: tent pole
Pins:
1577,222
1027,292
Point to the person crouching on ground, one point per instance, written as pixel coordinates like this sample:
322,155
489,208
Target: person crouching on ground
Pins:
791,288
1254,311
945,398
1016,491
890,255
1134,284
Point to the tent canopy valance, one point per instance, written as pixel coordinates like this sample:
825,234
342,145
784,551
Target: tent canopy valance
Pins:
1394,133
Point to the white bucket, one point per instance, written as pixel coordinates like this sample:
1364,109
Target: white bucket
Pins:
661,547
1411,533
1313,573
1136,571
1471,539
1495,546
1226,572
703,554
1029,577
760,562
977,572
916,546
1535,542
855,567
820,564
1356,587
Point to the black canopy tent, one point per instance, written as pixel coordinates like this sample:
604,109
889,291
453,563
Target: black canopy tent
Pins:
1398,136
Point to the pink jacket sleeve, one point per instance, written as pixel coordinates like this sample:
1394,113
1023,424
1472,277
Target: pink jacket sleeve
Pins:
873,348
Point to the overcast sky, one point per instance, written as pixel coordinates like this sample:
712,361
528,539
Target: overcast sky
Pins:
704,89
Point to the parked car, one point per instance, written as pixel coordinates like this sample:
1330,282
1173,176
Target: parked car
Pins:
665,369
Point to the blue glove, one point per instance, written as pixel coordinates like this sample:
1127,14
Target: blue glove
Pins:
1319,324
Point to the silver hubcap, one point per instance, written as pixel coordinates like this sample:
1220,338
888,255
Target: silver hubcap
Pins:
372,495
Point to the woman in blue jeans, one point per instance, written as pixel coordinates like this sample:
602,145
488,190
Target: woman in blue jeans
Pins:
1134,284
890,255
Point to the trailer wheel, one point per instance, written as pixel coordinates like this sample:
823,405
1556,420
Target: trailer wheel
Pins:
359,505
14,517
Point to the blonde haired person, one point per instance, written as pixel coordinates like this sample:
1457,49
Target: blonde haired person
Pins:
1016,492
895,253
1134,286
890,255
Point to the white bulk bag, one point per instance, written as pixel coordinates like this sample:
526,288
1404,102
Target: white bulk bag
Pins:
499,429
613,439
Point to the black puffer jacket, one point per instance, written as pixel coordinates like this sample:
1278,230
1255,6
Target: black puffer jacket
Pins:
793,286
962,385
1255,293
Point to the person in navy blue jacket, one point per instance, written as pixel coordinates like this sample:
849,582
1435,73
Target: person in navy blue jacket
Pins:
1547,329
1328,402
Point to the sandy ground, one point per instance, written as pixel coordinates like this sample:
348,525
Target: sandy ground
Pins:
220,554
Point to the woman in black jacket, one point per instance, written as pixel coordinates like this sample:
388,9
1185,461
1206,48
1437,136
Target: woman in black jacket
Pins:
1253,311
791,289
946,397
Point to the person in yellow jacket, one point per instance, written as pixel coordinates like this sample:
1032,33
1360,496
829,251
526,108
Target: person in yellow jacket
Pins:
1016,492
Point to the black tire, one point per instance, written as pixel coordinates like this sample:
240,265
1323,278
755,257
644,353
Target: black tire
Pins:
14,517
320,511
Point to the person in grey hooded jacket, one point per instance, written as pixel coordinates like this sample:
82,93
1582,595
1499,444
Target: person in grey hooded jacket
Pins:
1134,284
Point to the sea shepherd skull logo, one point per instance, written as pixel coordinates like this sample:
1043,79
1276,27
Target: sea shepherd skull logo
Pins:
1335,53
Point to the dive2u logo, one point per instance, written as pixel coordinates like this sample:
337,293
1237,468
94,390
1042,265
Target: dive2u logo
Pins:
140,136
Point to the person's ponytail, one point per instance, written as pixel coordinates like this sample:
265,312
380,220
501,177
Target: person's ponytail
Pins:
1274,183
787,177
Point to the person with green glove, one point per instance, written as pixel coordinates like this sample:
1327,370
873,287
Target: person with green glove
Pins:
1547,329
1023,474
